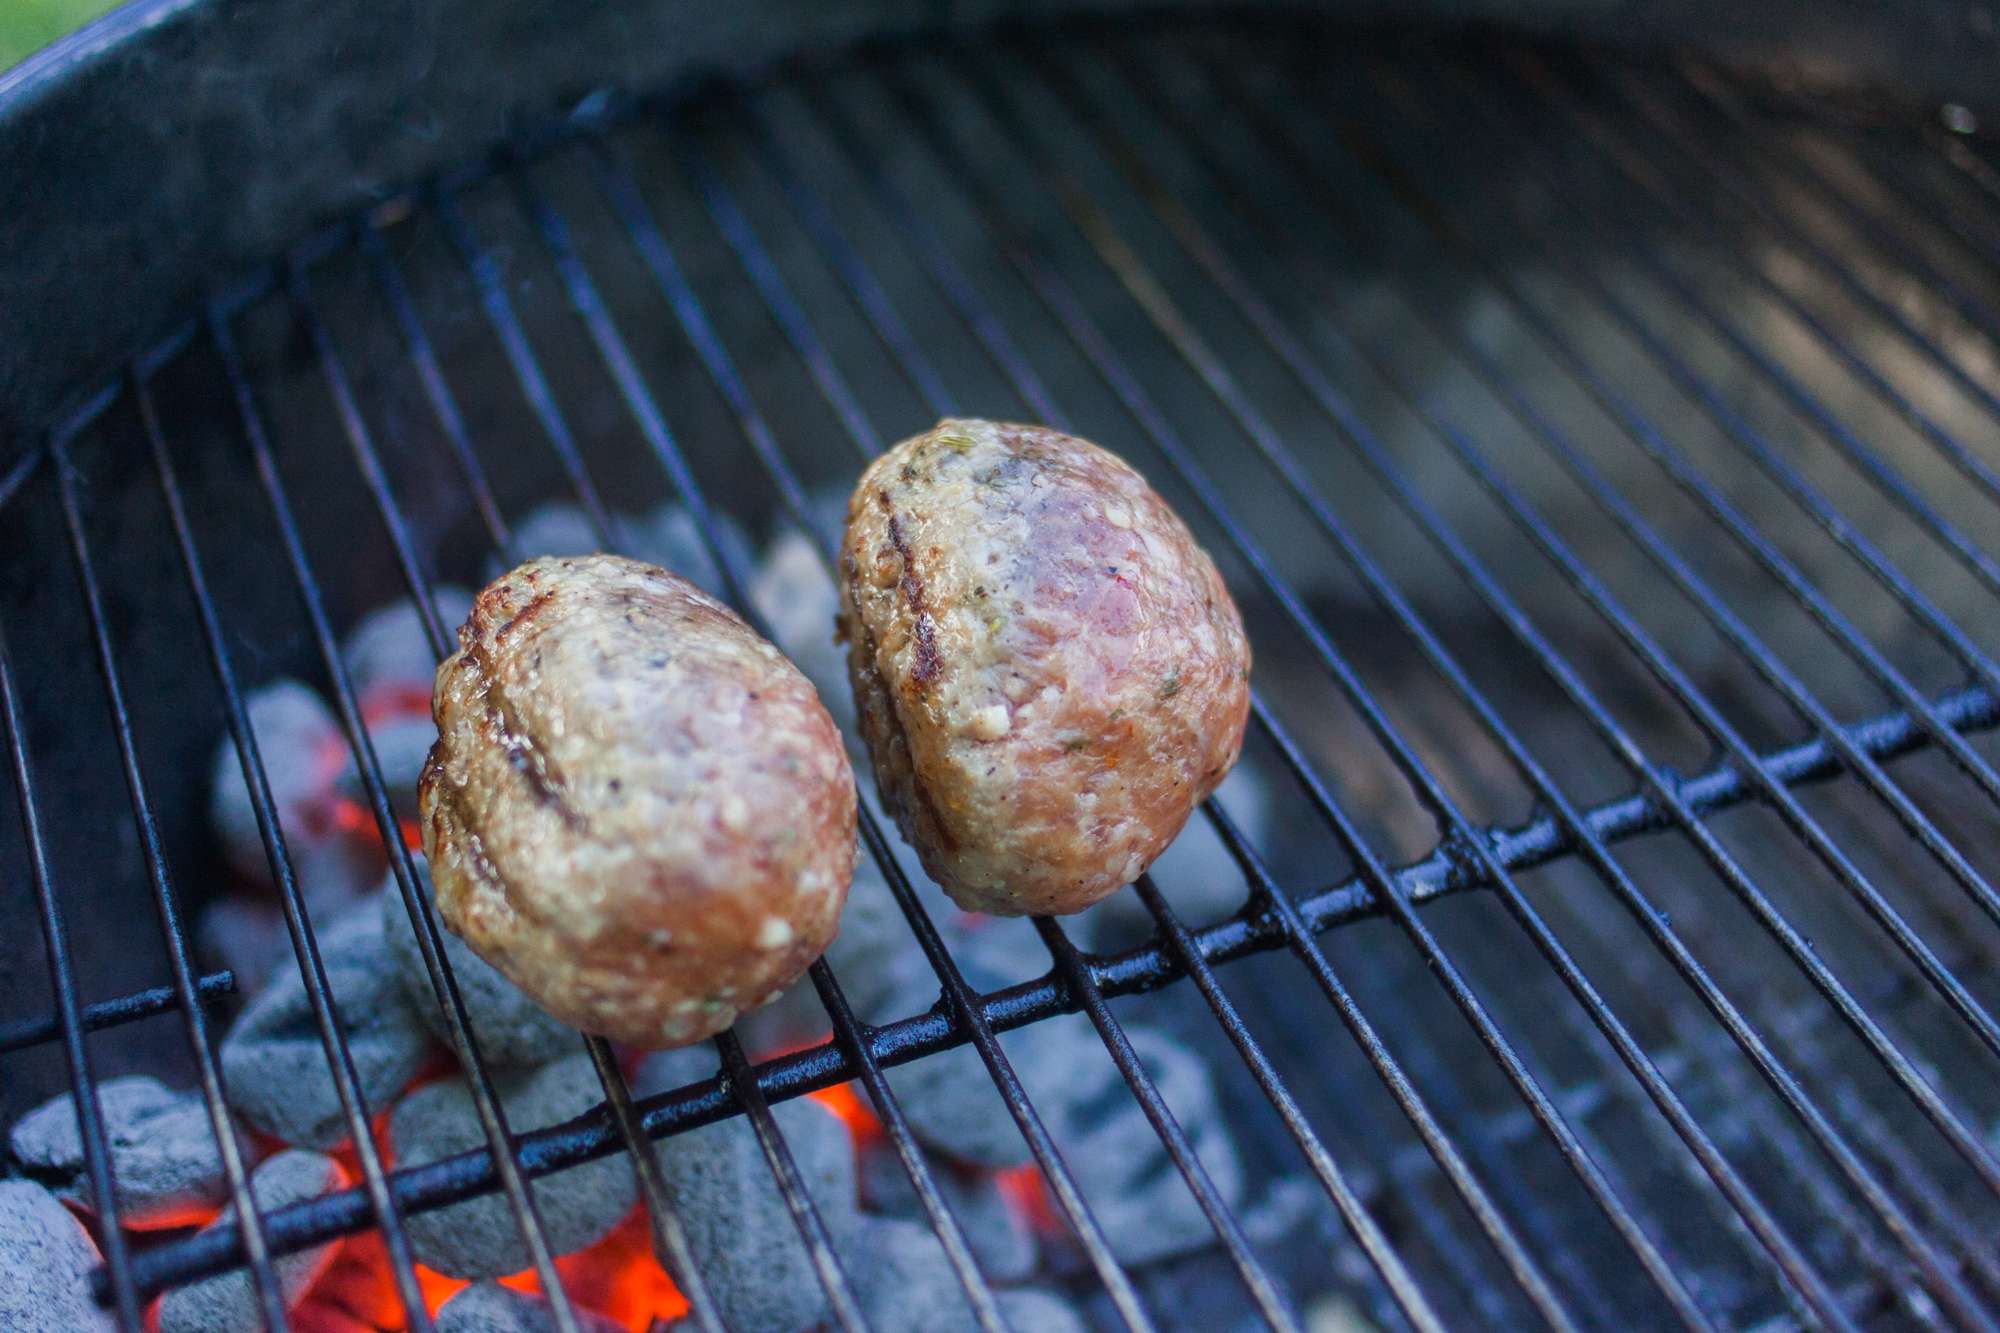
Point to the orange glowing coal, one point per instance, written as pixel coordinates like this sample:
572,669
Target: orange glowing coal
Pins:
848,1107
618,1277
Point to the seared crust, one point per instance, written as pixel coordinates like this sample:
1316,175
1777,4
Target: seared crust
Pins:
1047,669
636,808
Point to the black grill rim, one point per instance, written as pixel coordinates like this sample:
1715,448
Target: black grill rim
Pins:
1466,858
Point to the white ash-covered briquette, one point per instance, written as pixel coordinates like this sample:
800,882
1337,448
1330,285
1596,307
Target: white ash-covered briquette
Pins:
510,1029
45,1262
906,1285
739,1230
274,1064
481,1237
228,1302
488,1307
637,809
164,1160
1048,670
999,1235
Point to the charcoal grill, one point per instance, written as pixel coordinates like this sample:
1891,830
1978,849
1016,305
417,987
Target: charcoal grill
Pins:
1604,447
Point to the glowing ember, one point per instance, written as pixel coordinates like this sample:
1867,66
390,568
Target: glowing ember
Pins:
392,700
352,817
1027,1194
852,1111
193,1215
618,1277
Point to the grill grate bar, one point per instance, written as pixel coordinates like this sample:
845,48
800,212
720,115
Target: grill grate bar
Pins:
361,446
1299,936
1923,186
1913,184
429,937
729,218
1475,1197
1699,1050
1965,1140
1411,1167
1788,574
1075,972
506,326
1615,150
1381,888
264,1279
670,1242
1885,1049
652,422
979,318
55,941
1136,971
437,390
1717,94
312,970
24,467
854,273
1466,858
1656,114
930,250
1198,244
1709,717
1973,164
1367,1232
1657,445
1910,1175
1423,781
113,1013
857,1043
1937,1273
1143,288
669,1233
1879,1198
832,1276
853,1039
851,1035
1978,470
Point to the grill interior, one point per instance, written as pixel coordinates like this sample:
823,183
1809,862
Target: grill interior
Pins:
1605,455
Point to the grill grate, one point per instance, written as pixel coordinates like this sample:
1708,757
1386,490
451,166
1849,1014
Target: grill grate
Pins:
1411,332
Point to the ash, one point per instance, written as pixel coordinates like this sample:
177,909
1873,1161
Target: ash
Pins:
744,1241
45,1262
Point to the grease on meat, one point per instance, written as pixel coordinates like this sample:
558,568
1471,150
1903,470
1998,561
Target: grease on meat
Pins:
1048,671
636,808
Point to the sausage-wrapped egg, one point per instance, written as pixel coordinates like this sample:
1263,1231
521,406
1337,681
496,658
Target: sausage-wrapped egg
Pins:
636,808
1047,669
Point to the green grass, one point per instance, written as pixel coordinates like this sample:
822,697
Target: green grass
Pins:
26,26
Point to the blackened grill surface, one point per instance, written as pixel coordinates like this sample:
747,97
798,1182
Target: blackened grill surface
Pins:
1606,456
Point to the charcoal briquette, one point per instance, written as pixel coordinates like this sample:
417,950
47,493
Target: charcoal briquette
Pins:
45,1261
277,1071
390,650
511,1030
228,1302
1000,1239
906,1285
488,1307
163,1154
743,1239
1119,1163
481,1237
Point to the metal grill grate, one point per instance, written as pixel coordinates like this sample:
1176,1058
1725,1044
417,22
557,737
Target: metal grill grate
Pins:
1564,425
